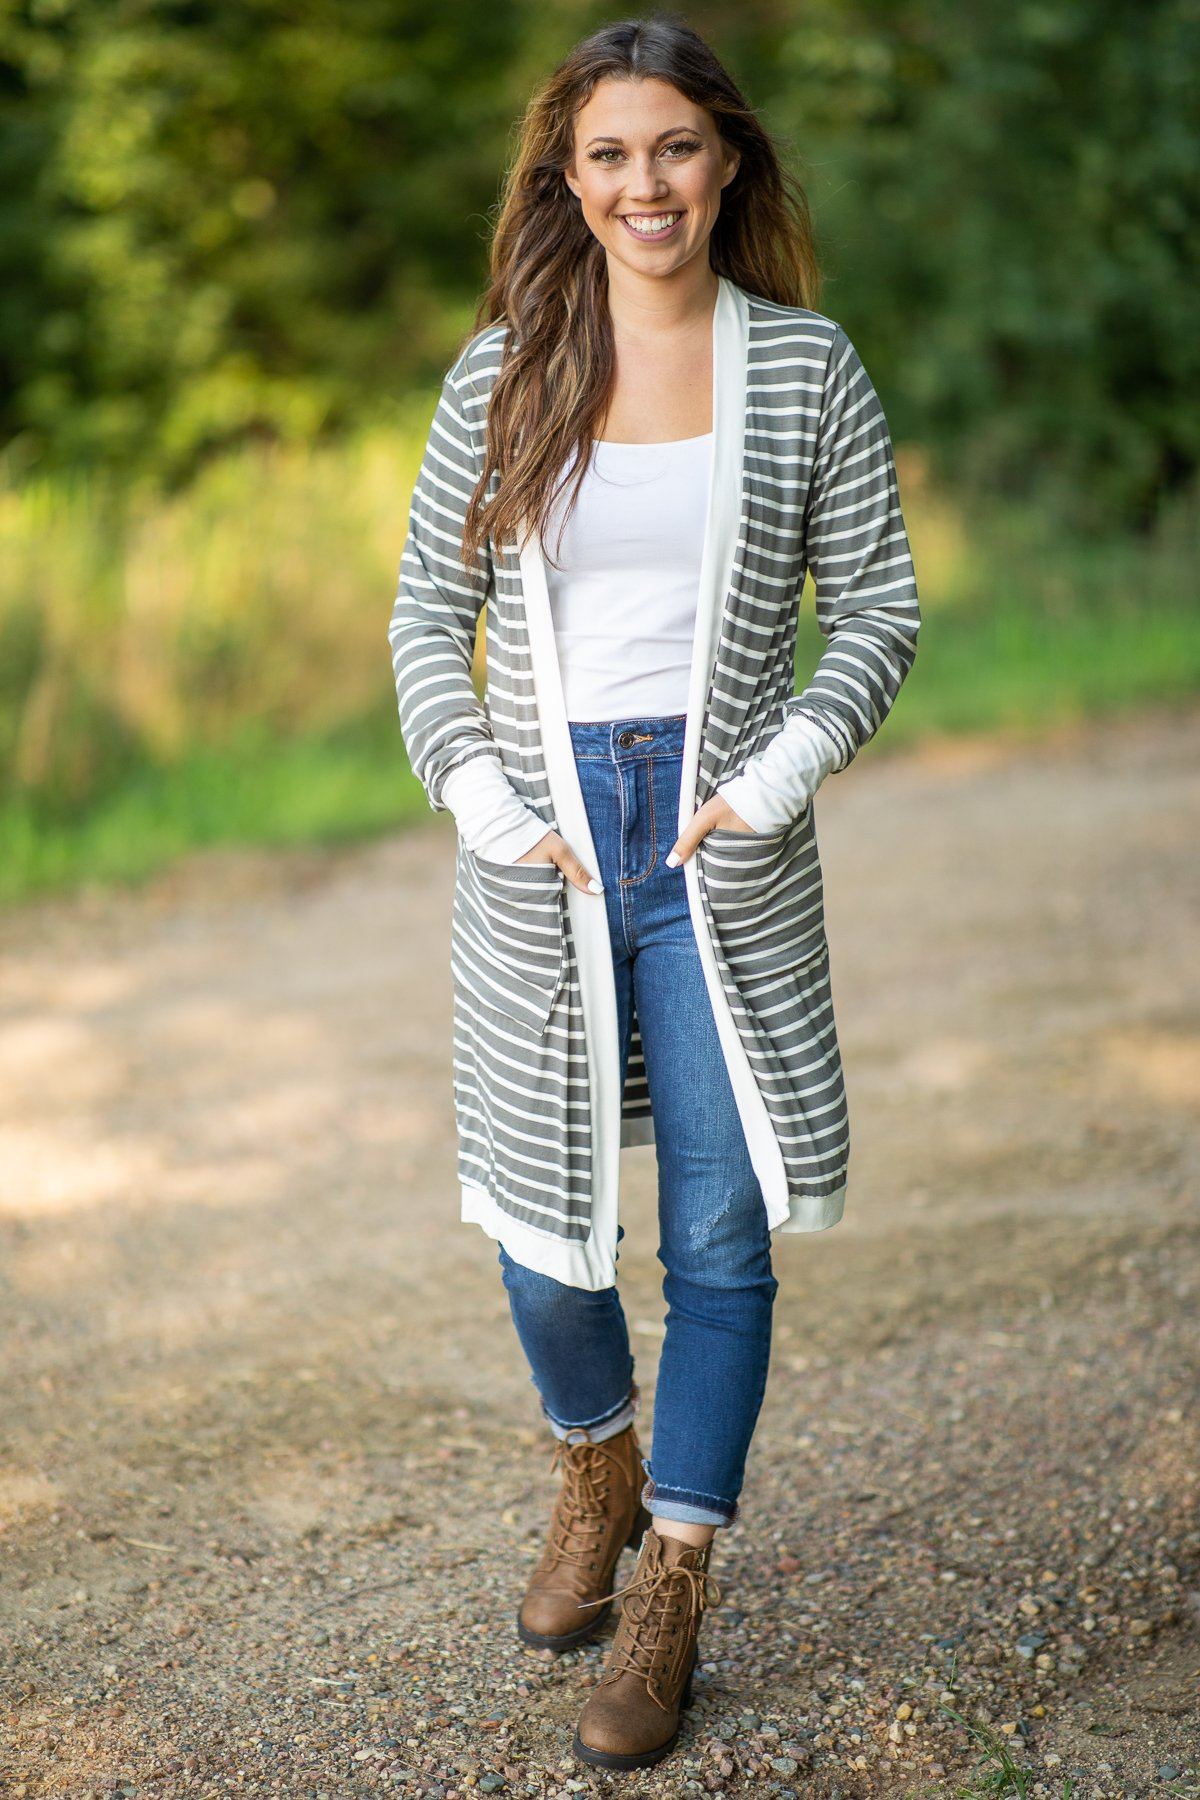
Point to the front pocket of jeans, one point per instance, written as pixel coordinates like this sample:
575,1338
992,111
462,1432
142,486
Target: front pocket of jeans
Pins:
507,941
766,894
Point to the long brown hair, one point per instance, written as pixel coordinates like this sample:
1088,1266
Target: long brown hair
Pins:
549,276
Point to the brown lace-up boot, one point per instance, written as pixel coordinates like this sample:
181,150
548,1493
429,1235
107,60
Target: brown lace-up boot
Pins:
598,1510
631,1720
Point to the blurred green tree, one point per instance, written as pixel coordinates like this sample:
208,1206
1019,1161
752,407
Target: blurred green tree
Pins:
269,218
1008,198
228,220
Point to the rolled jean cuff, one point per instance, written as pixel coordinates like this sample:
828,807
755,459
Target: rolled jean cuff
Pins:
688,1507
599,1429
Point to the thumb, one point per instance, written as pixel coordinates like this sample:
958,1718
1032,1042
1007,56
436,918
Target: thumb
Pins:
574,871
685,843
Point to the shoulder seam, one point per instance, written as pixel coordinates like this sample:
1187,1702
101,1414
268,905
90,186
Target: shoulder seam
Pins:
798,315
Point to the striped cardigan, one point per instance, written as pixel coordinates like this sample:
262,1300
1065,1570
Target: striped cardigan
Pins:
802,478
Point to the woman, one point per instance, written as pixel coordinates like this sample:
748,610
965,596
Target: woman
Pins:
638,942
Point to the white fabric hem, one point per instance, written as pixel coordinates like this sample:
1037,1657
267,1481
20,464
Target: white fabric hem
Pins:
582,1265
813,1212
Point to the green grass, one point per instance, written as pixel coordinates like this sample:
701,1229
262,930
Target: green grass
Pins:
213,670
1017,666
996,1775
1014,670
253,791
1023,628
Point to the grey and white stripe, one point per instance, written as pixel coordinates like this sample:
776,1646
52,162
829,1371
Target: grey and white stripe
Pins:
818,491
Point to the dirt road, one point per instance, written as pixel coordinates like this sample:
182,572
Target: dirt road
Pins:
272,1470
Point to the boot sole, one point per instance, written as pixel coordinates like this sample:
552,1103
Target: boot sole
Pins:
634,1759
538,1640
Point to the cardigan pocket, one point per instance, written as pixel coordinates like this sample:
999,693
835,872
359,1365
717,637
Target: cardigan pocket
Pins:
766,894
507,938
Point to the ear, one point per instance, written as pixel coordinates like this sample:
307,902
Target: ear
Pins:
571,179
733,160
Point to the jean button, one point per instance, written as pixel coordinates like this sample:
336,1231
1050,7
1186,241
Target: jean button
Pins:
625,738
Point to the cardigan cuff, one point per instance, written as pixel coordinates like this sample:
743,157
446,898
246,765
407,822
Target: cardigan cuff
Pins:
493,820
775,786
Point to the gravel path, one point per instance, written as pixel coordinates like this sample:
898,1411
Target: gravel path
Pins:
272,1472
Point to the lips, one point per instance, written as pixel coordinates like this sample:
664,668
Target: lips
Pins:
655,236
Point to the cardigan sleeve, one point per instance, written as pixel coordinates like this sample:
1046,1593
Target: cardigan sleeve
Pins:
493,821
866,602
436,612
777,784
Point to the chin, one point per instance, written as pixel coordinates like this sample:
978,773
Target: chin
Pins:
646,265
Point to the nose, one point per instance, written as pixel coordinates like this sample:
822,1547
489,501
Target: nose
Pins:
646,182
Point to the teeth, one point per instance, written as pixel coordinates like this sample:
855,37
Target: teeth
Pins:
650,224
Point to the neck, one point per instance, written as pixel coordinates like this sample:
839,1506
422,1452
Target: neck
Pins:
649,306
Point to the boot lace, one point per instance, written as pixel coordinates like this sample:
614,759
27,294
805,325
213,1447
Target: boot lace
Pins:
664,1593
578,1521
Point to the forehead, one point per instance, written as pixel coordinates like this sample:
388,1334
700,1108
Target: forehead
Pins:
633,109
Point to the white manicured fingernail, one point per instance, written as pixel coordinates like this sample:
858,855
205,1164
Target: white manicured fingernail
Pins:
672,860
595,887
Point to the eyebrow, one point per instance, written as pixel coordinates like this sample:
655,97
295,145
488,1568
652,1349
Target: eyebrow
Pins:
670,132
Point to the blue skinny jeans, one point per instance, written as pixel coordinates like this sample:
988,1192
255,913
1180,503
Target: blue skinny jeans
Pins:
714,1242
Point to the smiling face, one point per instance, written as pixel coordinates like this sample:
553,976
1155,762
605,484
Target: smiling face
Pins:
648,168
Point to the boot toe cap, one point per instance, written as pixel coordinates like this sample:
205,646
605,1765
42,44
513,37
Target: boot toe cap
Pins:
621,1720
550,1615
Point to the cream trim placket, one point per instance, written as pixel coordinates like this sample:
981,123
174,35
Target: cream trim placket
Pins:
801,477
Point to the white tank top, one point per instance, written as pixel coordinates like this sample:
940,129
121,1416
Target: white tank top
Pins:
623,599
